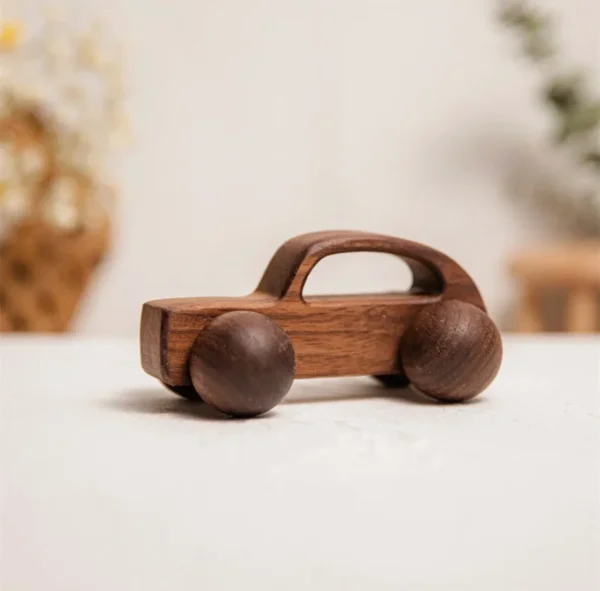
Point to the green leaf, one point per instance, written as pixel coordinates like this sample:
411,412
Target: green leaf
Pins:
593,158
538,49
564,94
585,119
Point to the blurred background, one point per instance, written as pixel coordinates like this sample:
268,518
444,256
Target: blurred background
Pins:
226,127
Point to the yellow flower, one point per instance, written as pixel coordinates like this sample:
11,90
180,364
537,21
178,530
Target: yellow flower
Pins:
10,35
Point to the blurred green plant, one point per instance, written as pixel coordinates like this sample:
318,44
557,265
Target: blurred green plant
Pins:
567,92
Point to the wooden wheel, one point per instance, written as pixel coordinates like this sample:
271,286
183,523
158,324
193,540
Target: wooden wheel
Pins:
451,351
242,364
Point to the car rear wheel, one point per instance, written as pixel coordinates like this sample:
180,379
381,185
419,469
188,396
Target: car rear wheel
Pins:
451,351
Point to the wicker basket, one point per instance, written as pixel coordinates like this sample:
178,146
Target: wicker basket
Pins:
44,270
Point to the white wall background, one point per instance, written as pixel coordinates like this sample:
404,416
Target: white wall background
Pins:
260,119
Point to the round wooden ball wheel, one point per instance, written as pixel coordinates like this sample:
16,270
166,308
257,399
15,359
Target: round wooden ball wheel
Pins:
451,351
242,364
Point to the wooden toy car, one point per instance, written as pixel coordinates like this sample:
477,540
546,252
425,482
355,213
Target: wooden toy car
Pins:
242,354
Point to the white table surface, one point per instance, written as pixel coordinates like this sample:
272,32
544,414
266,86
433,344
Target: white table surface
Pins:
111,483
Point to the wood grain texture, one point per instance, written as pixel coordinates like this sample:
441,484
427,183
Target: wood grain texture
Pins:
451,351
331,335
242,364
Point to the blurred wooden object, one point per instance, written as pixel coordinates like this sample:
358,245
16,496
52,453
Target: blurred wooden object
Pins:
573,268
43,274
62,120
45,268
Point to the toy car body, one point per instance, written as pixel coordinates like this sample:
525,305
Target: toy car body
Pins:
341,335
